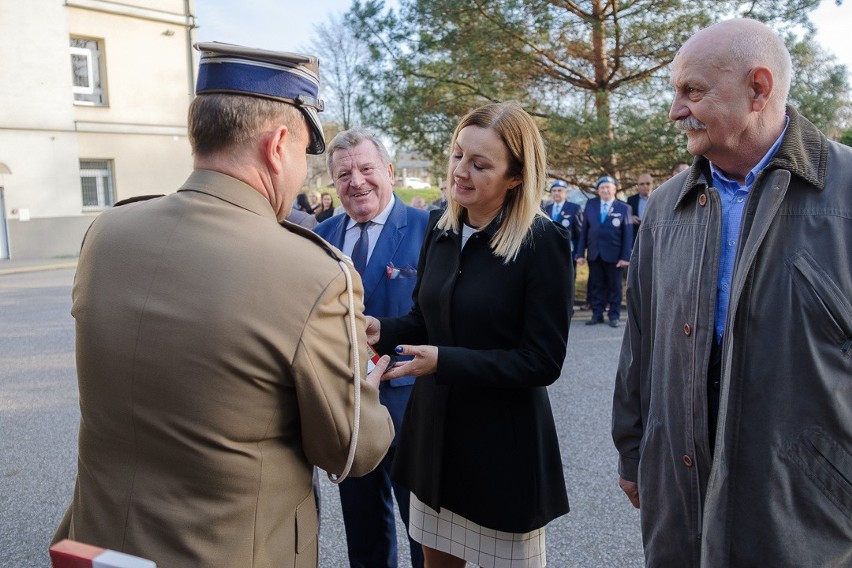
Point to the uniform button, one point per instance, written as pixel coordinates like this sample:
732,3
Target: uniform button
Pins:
687,461
687,330
702,200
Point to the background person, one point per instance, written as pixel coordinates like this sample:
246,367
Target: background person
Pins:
764,212
314,199
478,448
419,203
326,207
607,240
388,235
441,202
214,346
302,204
678,167
639,201
299,217
565,213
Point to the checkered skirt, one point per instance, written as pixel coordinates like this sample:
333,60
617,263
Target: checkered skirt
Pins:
451,533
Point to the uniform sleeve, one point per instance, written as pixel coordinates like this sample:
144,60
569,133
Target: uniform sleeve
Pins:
576,229
325,389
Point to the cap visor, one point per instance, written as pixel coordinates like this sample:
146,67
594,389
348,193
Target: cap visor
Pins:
317,145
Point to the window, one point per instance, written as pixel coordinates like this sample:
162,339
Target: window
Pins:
87,72
96,183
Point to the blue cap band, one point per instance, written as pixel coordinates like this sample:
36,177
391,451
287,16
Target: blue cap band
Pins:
606,179
287,77
220,76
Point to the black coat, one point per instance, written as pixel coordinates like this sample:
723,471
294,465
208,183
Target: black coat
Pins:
324,214
478,436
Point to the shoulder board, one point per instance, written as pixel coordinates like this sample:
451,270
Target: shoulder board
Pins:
137,198
314,238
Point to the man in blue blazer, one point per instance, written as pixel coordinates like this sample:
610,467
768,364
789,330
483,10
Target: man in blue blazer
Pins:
607,235
565,213
383,236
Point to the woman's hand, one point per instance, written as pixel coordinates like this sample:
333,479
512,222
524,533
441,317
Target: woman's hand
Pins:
425,362
374,328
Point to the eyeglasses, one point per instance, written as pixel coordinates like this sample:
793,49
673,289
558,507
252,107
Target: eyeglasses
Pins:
643,183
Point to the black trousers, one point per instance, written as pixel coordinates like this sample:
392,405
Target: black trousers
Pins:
714,379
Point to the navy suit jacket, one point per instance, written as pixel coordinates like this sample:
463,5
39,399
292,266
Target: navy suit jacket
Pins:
399,244
570,217
611,240
633,202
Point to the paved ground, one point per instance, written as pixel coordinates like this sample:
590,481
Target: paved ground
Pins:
39,414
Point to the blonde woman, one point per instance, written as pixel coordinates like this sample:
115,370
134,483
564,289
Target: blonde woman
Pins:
314,200
478,447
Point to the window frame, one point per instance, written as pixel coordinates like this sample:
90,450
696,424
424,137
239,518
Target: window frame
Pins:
104,183
95,93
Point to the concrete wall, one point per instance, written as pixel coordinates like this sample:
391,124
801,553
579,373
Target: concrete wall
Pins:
47,238
146,71
44,134
144,164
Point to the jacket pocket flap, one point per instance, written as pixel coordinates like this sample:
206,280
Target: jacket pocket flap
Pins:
827,464
307,524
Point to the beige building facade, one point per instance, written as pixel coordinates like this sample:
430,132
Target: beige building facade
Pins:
92,110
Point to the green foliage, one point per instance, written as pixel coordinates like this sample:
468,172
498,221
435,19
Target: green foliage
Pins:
406,194
820,87
593,73
846,138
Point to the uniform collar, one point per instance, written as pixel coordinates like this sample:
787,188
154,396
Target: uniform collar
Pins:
230,189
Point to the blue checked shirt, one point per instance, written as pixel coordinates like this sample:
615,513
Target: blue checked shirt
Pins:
733,197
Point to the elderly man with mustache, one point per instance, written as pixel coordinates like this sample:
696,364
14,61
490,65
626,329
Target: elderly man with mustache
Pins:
731,411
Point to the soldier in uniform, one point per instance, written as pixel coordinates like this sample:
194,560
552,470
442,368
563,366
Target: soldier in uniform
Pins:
220,355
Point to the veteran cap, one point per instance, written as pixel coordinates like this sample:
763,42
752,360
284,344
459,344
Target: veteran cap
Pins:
606,179
292,78
558,183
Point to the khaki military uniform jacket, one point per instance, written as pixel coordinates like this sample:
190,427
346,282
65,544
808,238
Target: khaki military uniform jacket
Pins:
215,368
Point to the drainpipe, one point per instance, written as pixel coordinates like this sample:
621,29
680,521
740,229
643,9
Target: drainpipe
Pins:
190,53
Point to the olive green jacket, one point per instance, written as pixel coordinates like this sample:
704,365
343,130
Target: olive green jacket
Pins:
777,488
